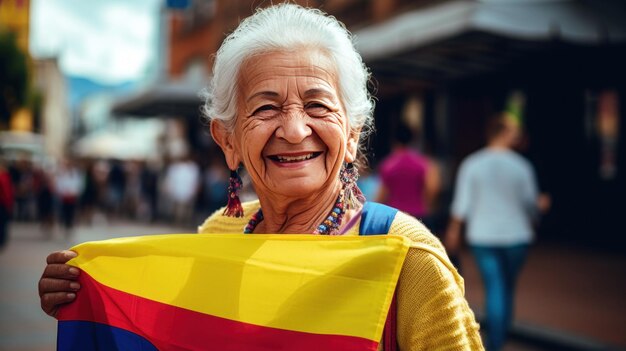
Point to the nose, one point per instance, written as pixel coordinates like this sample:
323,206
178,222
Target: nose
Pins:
294,127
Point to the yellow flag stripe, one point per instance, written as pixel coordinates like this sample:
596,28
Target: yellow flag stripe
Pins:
318,284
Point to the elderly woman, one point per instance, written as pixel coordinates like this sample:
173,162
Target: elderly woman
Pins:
289,102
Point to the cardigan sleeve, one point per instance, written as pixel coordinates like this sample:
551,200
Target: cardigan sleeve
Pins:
218,223
433,313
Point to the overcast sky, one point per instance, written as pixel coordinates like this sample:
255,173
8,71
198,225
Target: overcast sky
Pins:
110,41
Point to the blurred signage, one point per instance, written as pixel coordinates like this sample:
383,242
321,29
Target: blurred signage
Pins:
178,4
607,126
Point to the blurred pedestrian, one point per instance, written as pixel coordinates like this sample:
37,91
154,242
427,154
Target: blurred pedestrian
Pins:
100,173
89,195
215,184
369,183
409,179
69,185
132,200
150,190
45,202
6,204
182,183
496,195
24,186
116,186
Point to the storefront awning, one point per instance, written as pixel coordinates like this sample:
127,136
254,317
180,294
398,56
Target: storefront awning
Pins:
584,22
462,38
137,140
15,145
162,99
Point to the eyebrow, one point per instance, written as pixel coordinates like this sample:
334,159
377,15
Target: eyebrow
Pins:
308,93
271,94
317,91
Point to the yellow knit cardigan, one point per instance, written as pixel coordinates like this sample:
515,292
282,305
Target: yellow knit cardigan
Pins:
432,311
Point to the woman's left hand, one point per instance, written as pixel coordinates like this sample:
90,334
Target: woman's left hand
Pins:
58,283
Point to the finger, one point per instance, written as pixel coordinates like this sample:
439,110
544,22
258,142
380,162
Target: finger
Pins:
61,271
50,302
50,285
60,256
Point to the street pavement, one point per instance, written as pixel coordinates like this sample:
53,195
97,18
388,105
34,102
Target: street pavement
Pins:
568,299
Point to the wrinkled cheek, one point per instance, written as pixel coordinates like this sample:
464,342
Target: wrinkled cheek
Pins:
252,153
334,156
335,138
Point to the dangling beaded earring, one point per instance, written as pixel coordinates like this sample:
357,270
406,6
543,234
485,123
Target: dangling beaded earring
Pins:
352,194
233,208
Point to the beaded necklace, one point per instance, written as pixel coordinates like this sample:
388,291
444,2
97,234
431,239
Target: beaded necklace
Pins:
330,226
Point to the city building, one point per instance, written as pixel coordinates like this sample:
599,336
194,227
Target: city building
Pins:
54,117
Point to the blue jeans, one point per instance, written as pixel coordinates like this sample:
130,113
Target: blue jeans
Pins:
499,267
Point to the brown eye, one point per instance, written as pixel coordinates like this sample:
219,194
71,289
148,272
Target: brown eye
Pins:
316,109
266,110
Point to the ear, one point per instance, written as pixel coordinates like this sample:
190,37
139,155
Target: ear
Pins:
224,138
353,145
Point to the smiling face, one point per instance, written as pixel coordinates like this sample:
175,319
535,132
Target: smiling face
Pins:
291,133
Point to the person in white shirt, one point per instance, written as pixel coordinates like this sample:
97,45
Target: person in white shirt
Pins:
68,186
182,181
497,197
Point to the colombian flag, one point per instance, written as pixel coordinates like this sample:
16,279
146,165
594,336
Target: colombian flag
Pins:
232,292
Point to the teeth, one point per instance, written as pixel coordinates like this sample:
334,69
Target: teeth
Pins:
294,158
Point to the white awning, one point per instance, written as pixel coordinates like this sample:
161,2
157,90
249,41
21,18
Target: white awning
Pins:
15,145
166,98
135,141
581,22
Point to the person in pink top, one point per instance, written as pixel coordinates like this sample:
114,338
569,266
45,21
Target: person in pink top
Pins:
409,180
6,203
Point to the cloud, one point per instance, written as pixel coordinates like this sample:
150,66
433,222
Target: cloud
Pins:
110,41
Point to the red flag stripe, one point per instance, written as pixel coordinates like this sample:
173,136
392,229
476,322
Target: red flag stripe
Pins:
174,328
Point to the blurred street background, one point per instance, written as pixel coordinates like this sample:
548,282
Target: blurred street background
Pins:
101,135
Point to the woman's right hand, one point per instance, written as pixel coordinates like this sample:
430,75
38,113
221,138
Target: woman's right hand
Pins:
58,283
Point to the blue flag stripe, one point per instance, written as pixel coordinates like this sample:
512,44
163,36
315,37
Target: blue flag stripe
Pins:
87,336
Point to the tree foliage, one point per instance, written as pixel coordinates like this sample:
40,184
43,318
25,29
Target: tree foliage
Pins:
13,76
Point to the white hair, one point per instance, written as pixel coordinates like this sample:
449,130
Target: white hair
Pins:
289,27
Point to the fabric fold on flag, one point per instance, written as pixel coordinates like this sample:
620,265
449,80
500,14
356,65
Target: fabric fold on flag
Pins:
232,292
